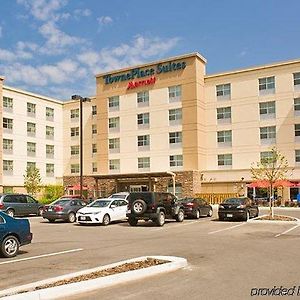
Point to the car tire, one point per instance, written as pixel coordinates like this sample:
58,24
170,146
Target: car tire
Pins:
71,217
210,213
197,214
51,220
132,221
10,246
180,216
40,211
160,221
106,220
139,206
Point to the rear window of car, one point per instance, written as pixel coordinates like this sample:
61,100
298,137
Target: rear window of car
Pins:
101,203
61,202
144,196
11,199
235,200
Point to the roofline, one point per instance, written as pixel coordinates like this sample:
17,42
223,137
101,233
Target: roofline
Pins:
254,68
197,54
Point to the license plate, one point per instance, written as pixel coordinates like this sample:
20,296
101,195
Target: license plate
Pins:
229,215
82,218
49,209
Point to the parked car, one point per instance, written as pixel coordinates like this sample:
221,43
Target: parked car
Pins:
154,206
196,207
238,208
63,209
121,195
20,205
13,234
102,211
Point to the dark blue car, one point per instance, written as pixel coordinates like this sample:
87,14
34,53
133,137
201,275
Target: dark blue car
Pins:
13,234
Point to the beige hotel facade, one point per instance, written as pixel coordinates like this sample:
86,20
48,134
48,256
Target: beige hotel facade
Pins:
166,122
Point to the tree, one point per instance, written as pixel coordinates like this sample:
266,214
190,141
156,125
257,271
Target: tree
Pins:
53,192
270,169
32,180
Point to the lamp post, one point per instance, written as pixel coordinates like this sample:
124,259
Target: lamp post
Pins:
81,100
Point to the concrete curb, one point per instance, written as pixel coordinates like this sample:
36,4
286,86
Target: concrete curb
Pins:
255,221
93,284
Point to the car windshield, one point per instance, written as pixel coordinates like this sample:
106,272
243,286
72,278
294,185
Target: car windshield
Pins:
234,201
185,200
118,196
61,202
99,203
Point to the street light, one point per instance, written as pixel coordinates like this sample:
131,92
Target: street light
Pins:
81,99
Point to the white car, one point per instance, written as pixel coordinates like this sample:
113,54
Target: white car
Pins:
120,195
102,211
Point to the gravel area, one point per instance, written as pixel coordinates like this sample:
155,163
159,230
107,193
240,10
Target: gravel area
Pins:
276,218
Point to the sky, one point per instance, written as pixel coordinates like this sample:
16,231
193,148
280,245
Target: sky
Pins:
55,47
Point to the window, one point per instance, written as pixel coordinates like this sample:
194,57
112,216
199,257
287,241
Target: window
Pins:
268,133
223,114
175,116
176,160
266,157
175,137
114,145
8,123
114,123
297,156
267,109
143,98
31,148
50,170
74,113
7,145
94,167
74,131
49,113
297,106
31,108
143,141
74,150
94,129
224,136
8,166
223,91
297,129
74,168
143,120
144,163
267,85
297,78
49,151
114,164
178,189
175,93
225,160
94,110
49,132
31,165
8,103
113,103
31,129
94,148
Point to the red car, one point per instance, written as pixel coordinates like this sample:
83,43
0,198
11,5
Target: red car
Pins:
196,207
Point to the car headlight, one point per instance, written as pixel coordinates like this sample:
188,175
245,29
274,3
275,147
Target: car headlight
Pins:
241,206
96,213
221,206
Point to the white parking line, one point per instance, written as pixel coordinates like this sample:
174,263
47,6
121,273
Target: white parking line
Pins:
228,228
40,256
287,231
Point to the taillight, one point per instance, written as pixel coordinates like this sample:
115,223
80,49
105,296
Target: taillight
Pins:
58,208
1,205
189,204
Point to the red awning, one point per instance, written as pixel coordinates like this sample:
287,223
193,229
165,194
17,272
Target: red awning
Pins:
259,184
76,187
283,183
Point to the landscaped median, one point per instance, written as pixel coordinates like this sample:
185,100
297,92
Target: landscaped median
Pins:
280,219
96,278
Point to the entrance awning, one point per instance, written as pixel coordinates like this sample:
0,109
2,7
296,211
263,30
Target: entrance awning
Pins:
266,184
76,187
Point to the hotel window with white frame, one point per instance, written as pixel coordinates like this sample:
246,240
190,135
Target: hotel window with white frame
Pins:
31,109
74,131
31,149
114,165
267,110
94,167
30,165
266,157
49,170
268,135
49,132
74,114
143,120
8,104
175,93
224,138
114,103
297,80
223,91
143,99
176,160
94,148
224,160
224,115
297,156
114,145
8,146
297,132
8,167
266,85
74,168
49,114
94,110
94,129
175,138
75,150
31,129
297,106
143,142
175,116
114,124
8,124
144,163
50,151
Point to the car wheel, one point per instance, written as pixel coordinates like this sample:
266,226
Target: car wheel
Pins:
10,212
139,206
106,220
51,220
40,211
132,221
10,246
71,217
210,213
197,214
160,221
180,216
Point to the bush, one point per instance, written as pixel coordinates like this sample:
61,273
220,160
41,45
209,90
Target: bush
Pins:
51,193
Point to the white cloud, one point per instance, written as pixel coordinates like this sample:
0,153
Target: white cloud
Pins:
81,13
6,55
103,20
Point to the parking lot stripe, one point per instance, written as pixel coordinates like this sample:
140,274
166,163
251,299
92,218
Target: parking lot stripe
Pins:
40,256
287,231
228,228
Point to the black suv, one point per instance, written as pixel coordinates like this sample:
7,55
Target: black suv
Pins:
153,206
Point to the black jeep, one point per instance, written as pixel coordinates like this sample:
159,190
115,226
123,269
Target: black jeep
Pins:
153,206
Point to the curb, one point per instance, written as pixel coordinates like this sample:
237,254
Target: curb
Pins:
93,284
255,221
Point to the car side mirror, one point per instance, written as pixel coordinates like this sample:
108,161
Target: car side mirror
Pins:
113,206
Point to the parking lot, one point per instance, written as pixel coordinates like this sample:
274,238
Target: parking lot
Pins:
226,259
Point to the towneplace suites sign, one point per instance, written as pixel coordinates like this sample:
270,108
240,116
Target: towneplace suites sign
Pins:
138,73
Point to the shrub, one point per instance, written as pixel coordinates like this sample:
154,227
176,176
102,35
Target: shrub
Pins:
51,193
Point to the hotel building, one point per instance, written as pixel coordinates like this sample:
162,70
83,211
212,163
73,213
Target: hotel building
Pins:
160,123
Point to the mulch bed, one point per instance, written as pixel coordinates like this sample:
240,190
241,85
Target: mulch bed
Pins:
277,218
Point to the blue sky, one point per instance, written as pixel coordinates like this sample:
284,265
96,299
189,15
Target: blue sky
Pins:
55,47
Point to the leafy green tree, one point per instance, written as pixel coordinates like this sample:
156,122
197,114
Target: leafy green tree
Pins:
32,180
271,169
52,192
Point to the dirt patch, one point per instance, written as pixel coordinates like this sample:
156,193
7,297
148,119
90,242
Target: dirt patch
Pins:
276,218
